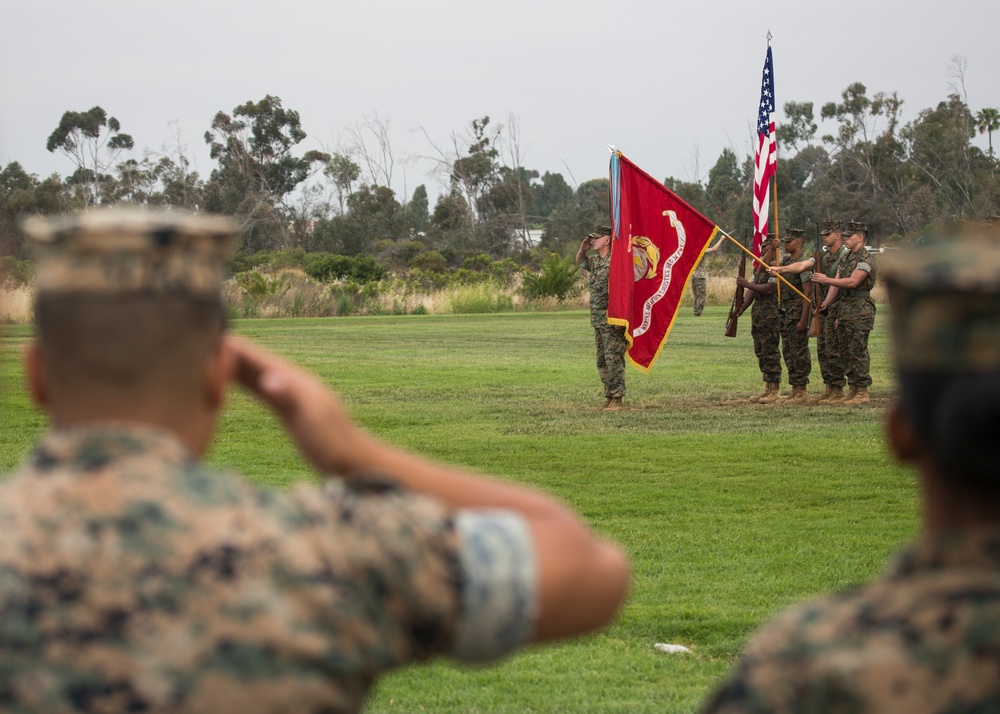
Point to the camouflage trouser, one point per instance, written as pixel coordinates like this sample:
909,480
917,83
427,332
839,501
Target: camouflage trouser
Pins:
766,339
854,341
795,344
699,286
855,319
829,352
611,348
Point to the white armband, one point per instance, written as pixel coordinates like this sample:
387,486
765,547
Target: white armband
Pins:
499,584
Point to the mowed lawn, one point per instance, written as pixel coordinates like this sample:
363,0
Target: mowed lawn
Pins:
729,511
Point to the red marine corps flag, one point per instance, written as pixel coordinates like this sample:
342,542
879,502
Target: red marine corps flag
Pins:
657,240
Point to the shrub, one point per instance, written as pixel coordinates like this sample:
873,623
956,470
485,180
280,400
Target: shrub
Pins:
478,263
16,272
258,285
430,261
482,298
560,278
328,268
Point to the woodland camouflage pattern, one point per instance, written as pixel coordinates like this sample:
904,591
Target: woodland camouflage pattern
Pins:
856,317
609,340
794,343
924,638
765,329
133,579
115,251
829,351
945,299
699,288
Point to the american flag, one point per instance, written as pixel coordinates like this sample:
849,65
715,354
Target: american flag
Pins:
764,162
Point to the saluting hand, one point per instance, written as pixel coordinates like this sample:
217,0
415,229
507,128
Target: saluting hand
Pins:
310,412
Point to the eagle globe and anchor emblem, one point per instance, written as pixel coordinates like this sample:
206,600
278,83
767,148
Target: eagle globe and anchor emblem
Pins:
645,264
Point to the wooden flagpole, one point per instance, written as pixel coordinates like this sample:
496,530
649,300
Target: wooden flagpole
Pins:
758,260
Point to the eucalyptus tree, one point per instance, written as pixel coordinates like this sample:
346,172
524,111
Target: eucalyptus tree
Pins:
257,168
94,142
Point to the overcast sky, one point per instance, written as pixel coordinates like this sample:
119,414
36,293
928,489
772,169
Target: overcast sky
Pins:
670,84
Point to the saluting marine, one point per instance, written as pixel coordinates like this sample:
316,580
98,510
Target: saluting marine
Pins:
136,579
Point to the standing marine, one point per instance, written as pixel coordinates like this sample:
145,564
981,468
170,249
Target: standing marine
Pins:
855,315
594,256
761,292
923,638
793,314
828,348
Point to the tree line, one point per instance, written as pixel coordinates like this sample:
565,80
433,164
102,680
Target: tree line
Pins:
902,179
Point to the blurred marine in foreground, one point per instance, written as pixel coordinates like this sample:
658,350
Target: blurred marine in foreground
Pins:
134,579
926,636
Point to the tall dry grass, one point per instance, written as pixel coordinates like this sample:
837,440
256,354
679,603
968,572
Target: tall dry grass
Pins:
297,295
16,305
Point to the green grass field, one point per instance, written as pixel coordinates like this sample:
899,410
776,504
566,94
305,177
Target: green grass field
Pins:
729,511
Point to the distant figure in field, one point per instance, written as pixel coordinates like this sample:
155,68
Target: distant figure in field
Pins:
135,579
699,281
594,256
926,636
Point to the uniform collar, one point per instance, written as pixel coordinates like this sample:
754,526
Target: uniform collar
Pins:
89,447
963,550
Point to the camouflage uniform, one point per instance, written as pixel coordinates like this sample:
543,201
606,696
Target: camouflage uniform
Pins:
765,328
856,317
134,579
609,340
794,344
699,288
828,348
924,638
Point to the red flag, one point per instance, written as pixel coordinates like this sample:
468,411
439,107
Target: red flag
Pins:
658,240
767,153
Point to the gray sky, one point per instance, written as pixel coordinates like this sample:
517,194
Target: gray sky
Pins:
670,84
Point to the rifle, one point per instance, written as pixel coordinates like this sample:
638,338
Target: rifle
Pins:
817,296
737,298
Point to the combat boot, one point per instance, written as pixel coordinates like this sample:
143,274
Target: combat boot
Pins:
614,405
798,394
773,393
836,395
606,403
826,394
757,397
858,395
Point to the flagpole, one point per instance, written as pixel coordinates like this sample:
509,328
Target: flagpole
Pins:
758,260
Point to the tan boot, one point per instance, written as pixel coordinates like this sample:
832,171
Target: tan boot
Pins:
836,396
772,395
614,405
767,390
606,403
858,395
850,394
826,394
798,394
